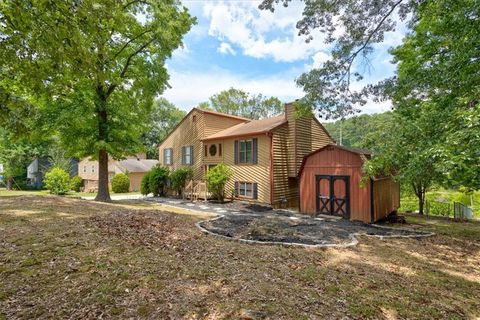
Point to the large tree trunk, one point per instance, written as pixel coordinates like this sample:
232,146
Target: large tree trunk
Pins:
103,192
10,183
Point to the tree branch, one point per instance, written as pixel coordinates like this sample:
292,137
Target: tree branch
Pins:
129,59
130,41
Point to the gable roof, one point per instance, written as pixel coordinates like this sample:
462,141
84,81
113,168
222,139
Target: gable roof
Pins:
250,128
363,153
202,111
136,165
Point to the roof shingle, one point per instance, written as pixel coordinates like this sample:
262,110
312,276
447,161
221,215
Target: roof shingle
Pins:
250,128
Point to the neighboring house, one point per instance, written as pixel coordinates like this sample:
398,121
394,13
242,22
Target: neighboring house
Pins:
37,168
134,167
264,155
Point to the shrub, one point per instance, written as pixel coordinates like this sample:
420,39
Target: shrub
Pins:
216,178
57,181
76,183
120,183
145,184
158,177
179,178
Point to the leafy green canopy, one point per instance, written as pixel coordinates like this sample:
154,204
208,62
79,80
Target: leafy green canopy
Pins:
352,27
163,118
92,67
240,103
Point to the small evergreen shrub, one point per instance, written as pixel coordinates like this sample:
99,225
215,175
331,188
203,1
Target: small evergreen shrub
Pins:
57,181
120,183
76,183
145,184
179,178
158,177
216,178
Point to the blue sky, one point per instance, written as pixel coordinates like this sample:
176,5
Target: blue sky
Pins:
236,45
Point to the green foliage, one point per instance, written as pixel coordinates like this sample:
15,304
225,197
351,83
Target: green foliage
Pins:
157,181
241,103
163,118
76,183
363,131
92,68
216,179
120,183
145,184
16,153
57,181
179,178
363,24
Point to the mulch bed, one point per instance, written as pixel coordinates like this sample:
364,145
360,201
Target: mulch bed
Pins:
294,229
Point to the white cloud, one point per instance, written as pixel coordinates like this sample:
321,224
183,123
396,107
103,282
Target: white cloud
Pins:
319,58
261,34
226,48
191,88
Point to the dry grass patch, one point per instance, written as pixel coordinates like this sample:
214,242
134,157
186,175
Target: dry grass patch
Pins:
65,258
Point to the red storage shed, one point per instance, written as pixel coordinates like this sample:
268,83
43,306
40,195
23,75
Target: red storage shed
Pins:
331,183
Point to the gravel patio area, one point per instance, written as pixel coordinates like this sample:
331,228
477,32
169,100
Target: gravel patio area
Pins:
293,229
251,223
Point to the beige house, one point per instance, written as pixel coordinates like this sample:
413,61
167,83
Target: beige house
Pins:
264,155
134,167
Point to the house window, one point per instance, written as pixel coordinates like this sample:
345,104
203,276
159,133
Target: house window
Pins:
168,156
246,190
245,151
187,155
213,150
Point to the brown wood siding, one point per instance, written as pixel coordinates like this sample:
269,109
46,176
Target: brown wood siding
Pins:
191,131
135,181
256,173
332,161
188,133
386,197
215,123
320,138
305,134
291,141
284,188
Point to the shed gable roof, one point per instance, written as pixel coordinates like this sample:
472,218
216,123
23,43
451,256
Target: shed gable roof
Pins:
363,153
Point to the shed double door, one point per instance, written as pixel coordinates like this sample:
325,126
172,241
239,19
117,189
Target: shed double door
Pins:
333,195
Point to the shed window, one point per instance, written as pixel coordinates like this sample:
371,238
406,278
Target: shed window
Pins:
187,155
168,156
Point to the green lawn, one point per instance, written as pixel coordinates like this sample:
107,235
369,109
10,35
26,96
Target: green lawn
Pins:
5,193
69,258
410,203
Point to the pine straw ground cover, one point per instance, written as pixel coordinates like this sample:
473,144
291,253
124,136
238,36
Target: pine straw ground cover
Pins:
67,258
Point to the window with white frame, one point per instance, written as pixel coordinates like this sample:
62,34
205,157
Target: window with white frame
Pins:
245,151
245,189
187,155
168,156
